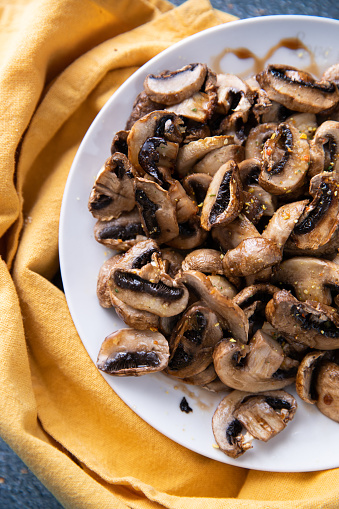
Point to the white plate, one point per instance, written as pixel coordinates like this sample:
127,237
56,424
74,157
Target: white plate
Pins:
311,441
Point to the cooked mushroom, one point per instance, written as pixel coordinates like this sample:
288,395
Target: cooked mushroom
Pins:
159,124
307,369
230,236
172,87
285,160
103,293
196,186
112,193
306,123
157,158
119,142
224,199
222,285
283,222
185,208
129,352
192,341
310,323
192,152
312,278
203,378
212,161
325,149
250,257
174,259
263,416
140,281
331,74
141,107
120,233
317,227
231,317
256,138
254,367
205,260
157,211
235,97
297,90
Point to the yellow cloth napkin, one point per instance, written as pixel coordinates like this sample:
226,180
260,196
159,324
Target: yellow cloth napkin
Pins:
60,62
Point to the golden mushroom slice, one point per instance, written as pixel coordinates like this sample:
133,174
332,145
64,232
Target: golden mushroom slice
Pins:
129,352
262,415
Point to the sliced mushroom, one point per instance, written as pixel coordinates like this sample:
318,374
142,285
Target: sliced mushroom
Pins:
231,317
103,293
327,387
157,211
250,257
256,139
222,285
231,235
283,222
204,260
311,278
148,288
297,90
119,142
196,186
192,152
285,160
306,123
325,149
317,227
159,124
254,367
224,199
203,378
212,161
142,106
263,416
112,193
331,74
129,352
174,259
192,341
172,87
121,233
310,323
185,208
157,158
305,376
235,97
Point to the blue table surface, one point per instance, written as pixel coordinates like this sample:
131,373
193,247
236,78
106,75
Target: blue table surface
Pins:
19,488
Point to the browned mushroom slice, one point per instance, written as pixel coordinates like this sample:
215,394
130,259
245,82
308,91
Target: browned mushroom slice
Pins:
103,292
312,278
285,160
192,152
305,376
283,222
256,138
157,158
325,149
185,208
331,74
318,224
172,87
135,318
230,315
174,260
142,106
196,186
267,201
310,323
235,97
212,161
222,285
253,209
140,281
254,367
297,90
224,199
229,236
119,142
306,123
192,341
121,233
129,352
264,418
158,214
191,235
327,388
205,260
157,124
112,193
250,257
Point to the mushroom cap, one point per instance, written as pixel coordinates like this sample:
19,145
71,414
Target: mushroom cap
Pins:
236,410
204,260
297,90
327,387
133,352
172,87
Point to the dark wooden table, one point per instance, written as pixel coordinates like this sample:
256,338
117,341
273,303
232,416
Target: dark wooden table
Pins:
19,488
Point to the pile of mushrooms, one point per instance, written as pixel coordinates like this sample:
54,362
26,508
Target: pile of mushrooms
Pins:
220,201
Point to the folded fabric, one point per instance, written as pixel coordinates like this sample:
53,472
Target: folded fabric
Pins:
60,62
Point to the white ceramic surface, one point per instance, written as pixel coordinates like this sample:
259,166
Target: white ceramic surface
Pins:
311,441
